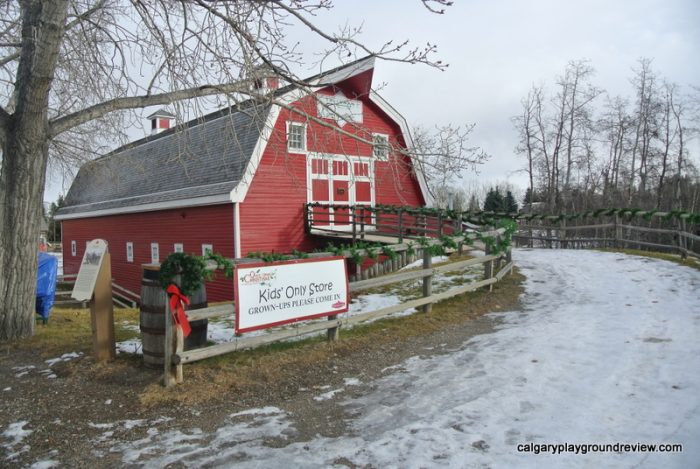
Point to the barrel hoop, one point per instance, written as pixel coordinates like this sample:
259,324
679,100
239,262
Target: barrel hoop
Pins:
153,354
152,309
152,330
159,309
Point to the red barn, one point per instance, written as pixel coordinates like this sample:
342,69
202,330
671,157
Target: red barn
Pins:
236,181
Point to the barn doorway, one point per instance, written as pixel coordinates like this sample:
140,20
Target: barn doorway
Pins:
339,180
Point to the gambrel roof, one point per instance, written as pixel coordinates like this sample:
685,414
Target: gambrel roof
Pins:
205,158
204,161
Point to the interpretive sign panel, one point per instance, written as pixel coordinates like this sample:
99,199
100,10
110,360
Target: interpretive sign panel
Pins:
284,292
89,269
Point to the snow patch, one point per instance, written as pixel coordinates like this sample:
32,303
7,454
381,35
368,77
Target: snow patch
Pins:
328,395
16,433
66,357
269,410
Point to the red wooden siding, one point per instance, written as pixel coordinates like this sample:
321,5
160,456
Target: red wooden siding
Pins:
190,226
272,216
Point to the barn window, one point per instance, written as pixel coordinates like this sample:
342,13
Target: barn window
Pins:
380,146
296,136
207,248
129,252
73,248
155,253
178,247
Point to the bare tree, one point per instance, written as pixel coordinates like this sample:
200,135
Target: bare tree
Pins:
644,82
581,156
614,126
444,155
526,125
73,71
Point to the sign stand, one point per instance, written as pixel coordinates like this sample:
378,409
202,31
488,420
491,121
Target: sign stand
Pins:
102,314
94,284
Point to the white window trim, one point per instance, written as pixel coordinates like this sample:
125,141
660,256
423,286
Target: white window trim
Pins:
155,259
207,247
178,247
73,248
350,177
374,147
300,151
129,251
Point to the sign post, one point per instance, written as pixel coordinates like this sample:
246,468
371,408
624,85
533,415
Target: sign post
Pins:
94,284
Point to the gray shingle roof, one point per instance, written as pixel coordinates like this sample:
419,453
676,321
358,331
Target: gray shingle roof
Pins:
205,158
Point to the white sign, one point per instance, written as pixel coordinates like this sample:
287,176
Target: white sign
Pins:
273,294
89,269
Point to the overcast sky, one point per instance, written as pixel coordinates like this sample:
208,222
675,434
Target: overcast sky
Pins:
498,48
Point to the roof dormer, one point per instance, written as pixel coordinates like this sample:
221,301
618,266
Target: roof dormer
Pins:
264,79
161,120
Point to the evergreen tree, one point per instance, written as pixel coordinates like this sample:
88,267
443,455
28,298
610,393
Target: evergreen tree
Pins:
494,201
54,235
510,205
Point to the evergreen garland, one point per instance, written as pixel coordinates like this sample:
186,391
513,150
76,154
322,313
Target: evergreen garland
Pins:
191,269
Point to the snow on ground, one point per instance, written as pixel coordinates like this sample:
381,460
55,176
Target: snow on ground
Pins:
221,329
604,350
13,436
21,371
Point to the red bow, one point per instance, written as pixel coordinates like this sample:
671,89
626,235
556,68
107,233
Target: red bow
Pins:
178,310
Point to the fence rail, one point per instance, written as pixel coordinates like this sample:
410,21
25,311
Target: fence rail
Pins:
121,296
361,220
495,268
655,231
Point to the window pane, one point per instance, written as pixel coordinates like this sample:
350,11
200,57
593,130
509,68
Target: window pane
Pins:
295,137
381,146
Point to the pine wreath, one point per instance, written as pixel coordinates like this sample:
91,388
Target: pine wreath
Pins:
191,269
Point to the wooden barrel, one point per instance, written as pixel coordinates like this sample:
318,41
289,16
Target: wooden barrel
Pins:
152,318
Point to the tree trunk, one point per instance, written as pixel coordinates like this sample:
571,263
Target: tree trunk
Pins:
22,190
25,149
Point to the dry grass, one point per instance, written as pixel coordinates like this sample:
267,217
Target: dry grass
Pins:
247,375
242,375
70,330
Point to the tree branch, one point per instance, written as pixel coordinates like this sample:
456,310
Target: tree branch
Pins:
97,111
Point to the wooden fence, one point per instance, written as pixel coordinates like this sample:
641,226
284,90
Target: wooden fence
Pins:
656,231
121,296
495,268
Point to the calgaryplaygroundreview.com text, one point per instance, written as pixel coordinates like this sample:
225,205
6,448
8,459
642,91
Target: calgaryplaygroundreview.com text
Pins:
585,448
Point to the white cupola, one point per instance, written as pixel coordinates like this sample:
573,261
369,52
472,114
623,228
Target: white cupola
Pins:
161,120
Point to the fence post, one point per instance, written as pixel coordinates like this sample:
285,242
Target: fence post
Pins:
682,246
333,332
400,226
168,378
618,231
361,209
428,279
179,348
353,213
488,266
562,234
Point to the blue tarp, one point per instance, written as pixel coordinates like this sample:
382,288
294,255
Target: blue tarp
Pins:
46,284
